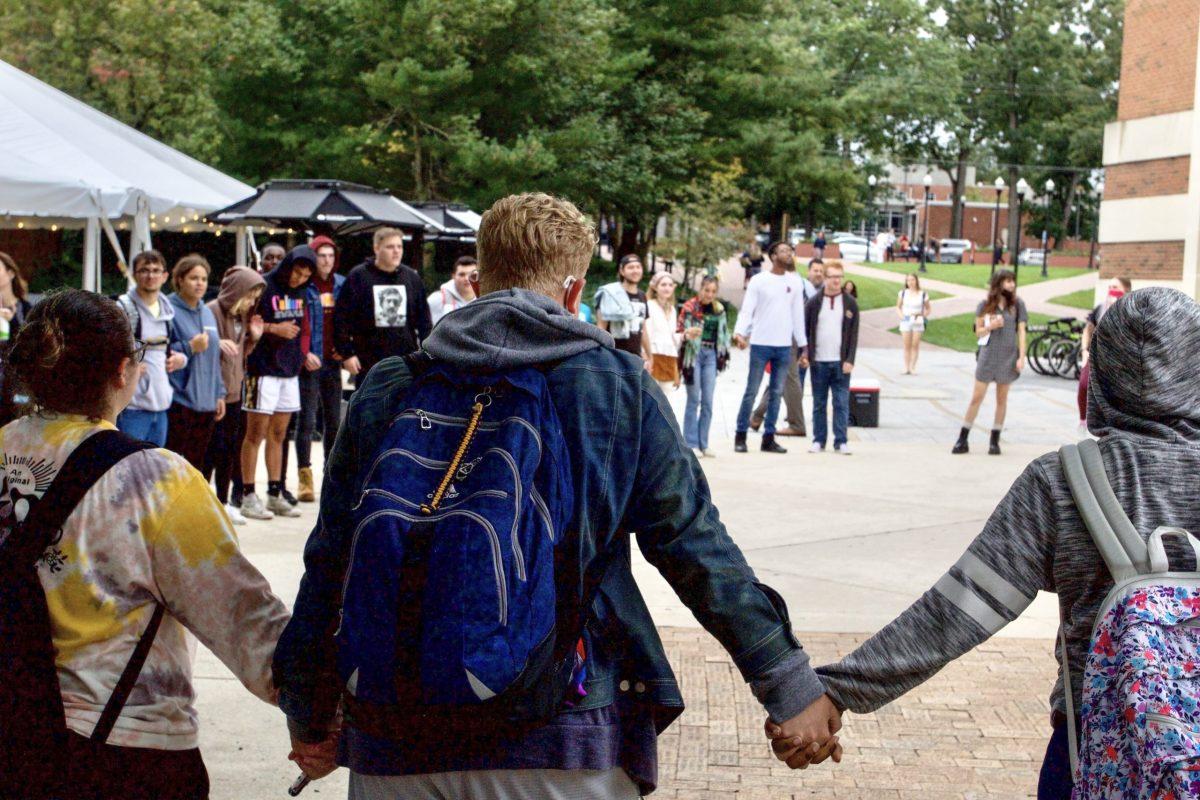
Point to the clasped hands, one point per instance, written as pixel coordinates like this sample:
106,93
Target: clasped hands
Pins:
810,737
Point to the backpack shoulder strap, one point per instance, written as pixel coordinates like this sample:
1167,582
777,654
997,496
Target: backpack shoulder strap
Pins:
1118,541
131,313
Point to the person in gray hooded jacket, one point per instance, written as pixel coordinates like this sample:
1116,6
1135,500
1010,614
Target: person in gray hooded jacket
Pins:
151,319
1144,406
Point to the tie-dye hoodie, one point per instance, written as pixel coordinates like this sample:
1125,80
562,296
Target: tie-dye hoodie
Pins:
150,531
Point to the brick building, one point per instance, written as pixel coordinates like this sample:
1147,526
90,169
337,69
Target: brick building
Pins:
1150,214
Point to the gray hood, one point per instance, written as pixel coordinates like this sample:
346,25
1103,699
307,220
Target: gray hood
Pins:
510,329
1145,361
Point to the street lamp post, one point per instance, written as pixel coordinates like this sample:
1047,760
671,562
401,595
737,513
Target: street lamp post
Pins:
1045,232
928,181
999,184
1022,190
873,181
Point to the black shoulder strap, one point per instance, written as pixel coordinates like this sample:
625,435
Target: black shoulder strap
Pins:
87,463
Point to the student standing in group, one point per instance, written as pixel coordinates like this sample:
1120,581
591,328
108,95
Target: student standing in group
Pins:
199,402
662,331
238,329
793,387
832,324
912,306
1117,288
272,392
703,323
14,307
146,552
456,292
771,322
321,378
1000,322
272,254
152,320
628,324
381,310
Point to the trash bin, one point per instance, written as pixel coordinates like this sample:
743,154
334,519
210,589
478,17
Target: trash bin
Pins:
864,403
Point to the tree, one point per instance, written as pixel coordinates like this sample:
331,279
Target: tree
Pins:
708,224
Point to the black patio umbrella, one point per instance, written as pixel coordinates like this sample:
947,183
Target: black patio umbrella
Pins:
337,208
457,220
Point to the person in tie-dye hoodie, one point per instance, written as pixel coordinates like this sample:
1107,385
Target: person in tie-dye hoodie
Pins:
150,532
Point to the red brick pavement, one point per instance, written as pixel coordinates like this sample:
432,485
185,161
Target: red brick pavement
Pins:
977,731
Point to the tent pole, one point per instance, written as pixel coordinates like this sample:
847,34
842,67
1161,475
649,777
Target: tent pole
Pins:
111,235
240,256
91,255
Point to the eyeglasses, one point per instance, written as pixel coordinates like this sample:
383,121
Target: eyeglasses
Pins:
139,350
148,271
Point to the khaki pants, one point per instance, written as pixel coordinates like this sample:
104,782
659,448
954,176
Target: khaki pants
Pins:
793,397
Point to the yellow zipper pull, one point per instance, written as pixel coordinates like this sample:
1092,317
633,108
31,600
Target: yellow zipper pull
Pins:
472,426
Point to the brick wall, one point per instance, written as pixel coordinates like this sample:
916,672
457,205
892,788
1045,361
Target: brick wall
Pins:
977,223
1147,178
1161,261
1158,59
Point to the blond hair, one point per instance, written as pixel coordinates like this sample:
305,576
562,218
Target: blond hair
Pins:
533,241
383,234
653,289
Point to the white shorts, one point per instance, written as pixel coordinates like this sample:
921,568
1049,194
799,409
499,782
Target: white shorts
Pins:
912,325
270,395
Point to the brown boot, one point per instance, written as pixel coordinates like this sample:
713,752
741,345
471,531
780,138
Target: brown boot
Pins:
306,493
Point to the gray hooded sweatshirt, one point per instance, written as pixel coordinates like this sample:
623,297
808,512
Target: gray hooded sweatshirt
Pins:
154,392
1144,404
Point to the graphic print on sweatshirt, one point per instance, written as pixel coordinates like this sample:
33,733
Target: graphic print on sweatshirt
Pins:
23,480
286,308
391,305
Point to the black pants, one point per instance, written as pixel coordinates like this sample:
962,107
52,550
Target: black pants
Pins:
189,432
1054,782
104,772
321,390
224,456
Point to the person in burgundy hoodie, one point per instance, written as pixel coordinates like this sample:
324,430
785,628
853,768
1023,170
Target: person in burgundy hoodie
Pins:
272,389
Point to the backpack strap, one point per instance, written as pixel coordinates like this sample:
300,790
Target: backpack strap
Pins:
1115,537
131,313
88,462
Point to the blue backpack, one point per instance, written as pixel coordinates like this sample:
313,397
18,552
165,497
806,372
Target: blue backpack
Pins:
449,607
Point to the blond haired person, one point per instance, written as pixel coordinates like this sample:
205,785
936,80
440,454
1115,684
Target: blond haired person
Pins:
631,472
662,327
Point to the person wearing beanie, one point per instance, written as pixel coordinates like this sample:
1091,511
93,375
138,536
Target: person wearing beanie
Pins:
321,378
1144,407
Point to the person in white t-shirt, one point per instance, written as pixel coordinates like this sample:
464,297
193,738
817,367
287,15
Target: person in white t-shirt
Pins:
662,329
771,319
832,331
912,305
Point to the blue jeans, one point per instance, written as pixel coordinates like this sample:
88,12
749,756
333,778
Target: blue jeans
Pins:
1055,781
760,356
700,398
149,426
827,376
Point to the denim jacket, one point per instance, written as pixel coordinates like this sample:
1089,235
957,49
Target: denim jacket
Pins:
316,313
633,476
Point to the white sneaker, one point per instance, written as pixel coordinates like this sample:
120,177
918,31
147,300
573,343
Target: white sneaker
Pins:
709,453
698,452
817,447
281,507
253,508
235,514
843,450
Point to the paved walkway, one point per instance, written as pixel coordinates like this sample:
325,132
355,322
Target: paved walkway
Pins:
849,542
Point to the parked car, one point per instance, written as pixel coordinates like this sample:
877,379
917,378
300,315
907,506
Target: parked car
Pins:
1032,256
954,251
840,235
856,248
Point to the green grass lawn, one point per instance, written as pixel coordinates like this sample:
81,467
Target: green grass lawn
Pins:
958,332
977,274
880,293
1084,298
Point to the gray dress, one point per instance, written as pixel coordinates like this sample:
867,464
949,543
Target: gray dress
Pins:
997,361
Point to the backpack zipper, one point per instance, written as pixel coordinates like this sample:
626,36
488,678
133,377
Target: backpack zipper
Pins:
516,542
468,436
445,419
1169,721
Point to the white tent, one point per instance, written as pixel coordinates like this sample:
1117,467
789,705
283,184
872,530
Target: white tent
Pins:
65,164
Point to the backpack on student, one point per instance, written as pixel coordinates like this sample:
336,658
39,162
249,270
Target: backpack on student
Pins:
451,617
614,307
1141,685
135,318
33,726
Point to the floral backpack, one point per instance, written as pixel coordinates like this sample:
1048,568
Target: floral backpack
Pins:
1141,684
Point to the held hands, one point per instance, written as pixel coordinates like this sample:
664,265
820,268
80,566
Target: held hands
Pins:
809,737
315,760
740,341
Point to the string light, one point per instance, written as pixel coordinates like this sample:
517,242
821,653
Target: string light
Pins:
20,224
53,227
